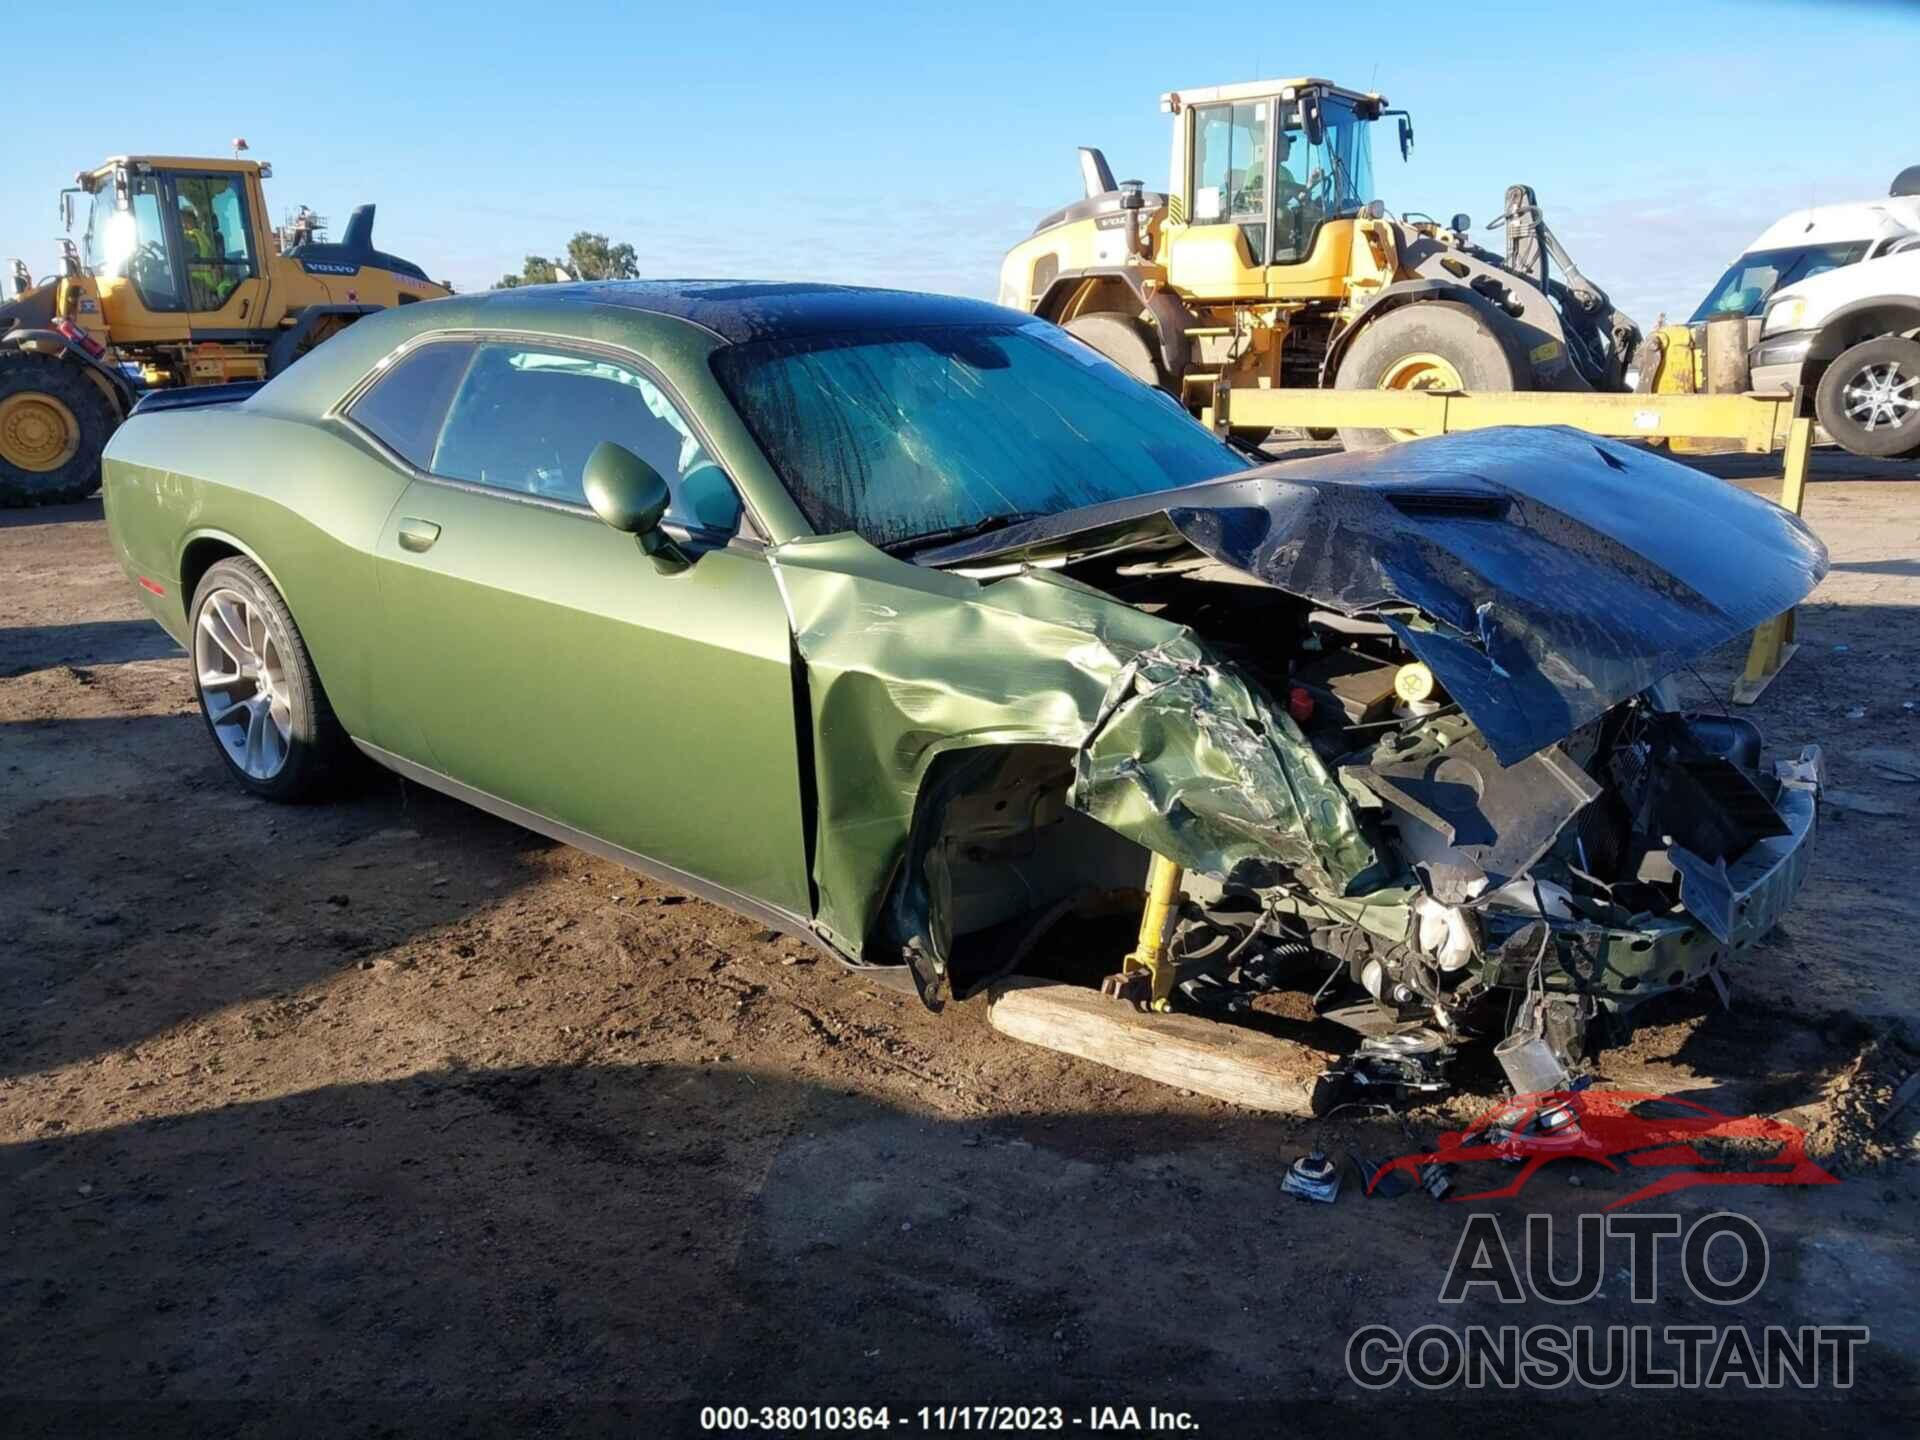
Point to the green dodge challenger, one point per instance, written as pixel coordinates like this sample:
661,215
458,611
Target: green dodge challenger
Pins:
908,624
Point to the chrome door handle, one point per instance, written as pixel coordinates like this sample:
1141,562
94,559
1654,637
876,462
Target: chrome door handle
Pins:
418,535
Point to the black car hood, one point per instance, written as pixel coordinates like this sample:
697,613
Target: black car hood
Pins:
1543,575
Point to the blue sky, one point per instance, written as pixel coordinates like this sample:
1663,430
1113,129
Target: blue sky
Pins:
910,143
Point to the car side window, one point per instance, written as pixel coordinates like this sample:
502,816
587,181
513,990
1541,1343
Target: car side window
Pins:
406,407
526,418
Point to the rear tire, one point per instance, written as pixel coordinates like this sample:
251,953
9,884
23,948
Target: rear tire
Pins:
1869,398
293,344
54,422
1428,345
259,694
1128,343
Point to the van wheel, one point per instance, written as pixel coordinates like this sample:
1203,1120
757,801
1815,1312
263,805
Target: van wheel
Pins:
1869,399
54,422
1429,345
259,695
1125,342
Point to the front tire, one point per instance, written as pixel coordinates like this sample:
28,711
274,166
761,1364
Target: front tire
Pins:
1869,398
1429,345
259,694
54,422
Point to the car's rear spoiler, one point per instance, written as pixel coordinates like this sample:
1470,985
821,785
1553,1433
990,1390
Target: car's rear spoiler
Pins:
192,397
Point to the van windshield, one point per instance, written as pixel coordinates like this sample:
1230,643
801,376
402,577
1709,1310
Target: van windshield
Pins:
1752,279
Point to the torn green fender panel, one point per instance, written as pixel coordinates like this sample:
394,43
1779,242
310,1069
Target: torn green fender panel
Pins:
1187,758
904,663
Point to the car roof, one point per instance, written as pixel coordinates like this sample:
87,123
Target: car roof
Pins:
738,311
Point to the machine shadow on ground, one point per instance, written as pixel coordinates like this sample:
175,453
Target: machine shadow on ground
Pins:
503,1246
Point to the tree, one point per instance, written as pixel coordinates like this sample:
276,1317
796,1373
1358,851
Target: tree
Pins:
593,257
590,256
537,271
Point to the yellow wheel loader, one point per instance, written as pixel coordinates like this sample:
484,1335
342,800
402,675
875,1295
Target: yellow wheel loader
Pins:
177,279
1268,261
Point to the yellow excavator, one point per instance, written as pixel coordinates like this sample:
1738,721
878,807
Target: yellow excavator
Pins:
176,279
1269,261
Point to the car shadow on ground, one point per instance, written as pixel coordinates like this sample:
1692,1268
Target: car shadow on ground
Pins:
143,889
26,648
1877,567
504,1249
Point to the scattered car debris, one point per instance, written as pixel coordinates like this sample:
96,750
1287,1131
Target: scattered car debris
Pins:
1390,1071
1546,1043
1313,1177
1382,1181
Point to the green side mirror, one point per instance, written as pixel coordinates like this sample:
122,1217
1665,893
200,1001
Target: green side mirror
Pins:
624,490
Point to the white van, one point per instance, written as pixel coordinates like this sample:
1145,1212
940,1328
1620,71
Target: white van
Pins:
1812,242
1850,336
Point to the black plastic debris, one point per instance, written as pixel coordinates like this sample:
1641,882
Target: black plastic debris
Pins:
1313,1177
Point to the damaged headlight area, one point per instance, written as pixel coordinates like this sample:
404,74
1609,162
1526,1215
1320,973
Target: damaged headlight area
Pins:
1640,856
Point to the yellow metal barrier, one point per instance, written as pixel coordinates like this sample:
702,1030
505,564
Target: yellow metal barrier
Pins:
1759,424
1773,643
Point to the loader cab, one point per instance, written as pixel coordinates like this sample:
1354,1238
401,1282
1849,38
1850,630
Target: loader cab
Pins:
176,247
1267,175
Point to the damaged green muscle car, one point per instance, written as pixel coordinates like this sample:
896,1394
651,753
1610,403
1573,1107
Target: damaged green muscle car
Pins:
907,623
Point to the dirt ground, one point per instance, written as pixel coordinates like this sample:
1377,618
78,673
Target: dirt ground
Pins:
388,1116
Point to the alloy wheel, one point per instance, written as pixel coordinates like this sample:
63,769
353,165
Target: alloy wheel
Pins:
243,683
1881,396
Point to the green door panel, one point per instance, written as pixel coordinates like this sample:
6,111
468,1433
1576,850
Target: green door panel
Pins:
549,663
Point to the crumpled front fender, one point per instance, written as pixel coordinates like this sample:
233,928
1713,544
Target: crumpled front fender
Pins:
1192,761
1173,748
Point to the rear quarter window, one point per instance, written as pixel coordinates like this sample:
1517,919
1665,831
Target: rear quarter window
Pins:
406,407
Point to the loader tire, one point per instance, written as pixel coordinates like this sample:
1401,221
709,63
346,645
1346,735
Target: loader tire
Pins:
1127,343
1431,345
54,422
1869,398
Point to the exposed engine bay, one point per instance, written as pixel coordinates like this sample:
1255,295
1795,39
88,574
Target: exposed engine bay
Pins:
1530,898
1516,904
1476,818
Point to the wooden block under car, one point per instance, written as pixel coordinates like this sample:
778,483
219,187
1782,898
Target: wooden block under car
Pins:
1208,1057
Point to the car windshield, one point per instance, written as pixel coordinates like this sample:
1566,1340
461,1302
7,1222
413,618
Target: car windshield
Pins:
1746,286
925,433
